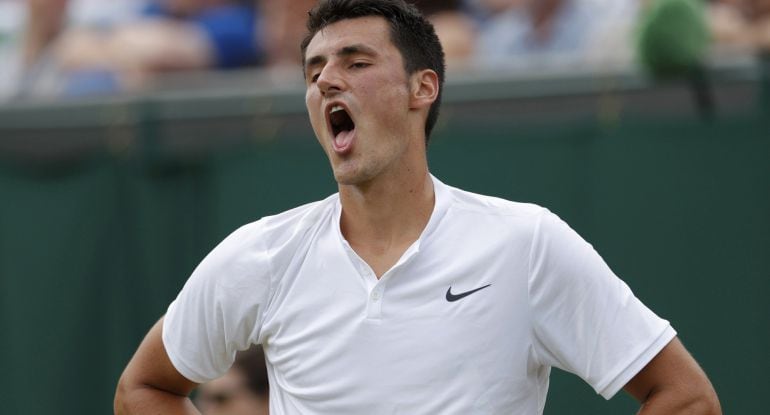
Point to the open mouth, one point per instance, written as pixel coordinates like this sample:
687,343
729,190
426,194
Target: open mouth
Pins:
340,120
342,129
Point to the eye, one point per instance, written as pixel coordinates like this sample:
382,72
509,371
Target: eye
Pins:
314,78
359,65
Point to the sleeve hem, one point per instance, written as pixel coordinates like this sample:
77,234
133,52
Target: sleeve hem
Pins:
176,359
635,366
532,242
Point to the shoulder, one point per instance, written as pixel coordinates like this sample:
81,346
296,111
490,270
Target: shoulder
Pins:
253,246
470,203
492,221
277,229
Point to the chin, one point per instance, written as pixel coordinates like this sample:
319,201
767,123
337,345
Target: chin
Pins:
346,179
351,177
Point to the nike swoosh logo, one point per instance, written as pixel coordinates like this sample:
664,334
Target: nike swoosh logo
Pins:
454,297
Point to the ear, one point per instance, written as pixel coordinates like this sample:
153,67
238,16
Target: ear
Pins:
424,89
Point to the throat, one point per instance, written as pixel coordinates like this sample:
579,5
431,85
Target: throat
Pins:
380,225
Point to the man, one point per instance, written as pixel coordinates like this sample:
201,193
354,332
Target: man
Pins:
400,294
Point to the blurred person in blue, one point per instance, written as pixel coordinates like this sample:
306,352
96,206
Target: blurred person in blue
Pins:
46,20
229,27
535,32
163,36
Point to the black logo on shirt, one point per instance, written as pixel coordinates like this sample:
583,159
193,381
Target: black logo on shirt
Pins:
454,297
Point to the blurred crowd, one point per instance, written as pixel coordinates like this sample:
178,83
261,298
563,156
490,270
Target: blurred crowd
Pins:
96,47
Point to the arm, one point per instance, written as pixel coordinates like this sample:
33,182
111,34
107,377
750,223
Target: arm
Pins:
673,383
148,46
44,22
150,384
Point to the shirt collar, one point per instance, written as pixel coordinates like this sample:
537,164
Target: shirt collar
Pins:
442,202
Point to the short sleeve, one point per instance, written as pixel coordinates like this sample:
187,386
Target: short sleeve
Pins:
219,310
585,320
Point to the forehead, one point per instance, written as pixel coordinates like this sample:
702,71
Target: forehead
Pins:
372,31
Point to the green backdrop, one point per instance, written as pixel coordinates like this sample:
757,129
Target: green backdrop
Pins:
96,241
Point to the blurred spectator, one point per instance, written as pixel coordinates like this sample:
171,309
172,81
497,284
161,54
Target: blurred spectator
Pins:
243,390
229,26
167,35
283,30
11,18
531,31
46,19
455,28
742,24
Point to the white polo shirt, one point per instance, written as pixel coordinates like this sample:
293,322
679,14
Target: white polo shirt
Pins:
469,321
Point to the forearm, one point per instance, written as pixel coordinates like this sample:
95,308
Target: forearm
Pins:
148,400
672,383
44,21
678,403
150,384
144,48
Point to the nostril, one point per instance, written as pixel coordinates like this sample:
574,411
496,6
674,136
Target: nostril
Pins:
326,86
329,89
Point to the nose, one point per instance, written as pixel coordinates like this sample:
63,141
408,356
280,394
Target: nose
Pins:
329,81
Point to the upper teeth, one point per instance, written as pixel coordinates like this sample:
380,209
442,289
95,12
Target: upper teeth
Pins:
336,108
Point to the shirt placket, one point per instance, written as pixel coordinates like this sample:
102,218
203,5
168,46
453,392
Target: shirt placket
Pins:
377,288
374,288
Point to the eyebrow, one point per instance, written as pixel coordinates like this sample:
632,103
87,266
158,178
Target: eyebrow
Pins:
342,52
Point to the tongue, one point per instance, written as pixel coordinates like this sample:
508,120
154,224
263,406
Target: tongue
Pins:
343,141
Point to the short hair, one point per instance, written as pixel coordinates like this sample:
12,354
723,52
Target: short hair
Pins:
410,32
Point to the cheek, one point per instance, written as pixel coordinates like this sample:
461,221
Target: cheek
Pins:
316,120
389,96
310,102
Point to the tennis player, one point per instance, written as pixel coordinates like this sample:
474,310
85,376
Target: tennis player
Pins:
401,294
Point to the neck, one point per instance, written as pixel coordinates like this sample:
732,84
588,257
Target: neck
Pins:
387,212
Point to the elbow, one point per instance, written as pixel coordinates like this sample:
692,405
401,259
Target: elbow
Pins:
706,403
121,402
118,403
711,405
683,401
